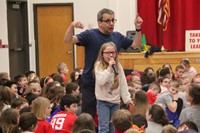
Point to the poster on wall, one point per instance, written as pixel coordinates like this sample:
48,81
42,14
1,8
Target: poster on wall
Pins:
192,40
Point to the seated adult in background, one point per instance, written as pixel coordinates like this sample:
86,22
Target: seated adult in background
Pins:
189,71
192,112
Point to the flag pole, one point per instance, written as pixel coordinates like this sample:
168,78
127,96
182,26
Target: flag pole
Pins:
162,39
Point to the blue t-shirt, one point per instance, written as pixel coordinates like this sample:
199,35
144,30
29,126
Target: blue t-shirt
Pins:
92,41
57,109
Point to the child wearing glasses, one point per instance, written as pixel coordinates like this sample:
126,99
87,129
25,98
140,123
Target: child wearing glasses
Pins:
110,85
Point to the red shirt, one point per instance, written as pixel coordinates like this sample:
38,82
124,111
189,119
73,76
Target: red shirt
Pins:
64,78
176,77
44,127
151,97
63,121
116,131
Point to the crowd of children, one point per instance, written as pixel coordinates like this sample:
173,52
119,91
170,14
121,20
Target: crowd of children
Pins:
153,101
31,104
173,98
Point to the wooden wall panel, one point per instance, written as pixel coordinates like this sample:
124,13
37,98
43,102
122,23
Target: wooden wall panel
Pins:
137,61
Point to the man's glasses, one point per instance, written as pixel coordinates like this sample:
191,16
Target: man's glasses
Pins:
109,53
108,21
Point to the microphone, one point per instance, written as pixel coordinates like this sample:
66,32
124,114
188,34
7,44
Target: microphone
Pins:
115,69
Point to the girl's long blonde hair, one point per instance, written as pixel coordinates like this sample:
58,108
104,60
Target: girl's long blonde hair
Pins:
104,65
39,106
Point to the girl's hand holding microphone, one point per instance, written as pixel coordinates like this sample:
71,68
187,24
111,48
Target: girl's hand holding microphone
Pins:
112,64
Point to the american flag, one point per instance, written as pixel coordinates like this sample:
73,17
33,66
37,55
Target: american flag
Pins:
163,13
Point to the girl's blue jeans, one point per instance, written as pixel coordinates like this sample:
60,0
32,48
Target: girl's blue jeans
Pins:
105,111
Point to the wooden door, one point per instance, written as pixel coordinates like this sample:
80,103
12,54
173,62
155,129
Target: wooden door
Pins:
80,56
52,22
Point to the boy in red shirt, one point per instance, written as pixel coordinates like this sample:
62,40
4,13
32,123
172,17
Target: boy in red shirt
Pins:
63,121
153,91
63,71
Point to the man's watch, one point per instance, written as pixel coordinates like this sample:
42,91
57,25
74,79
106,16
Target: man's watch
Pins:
138,30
